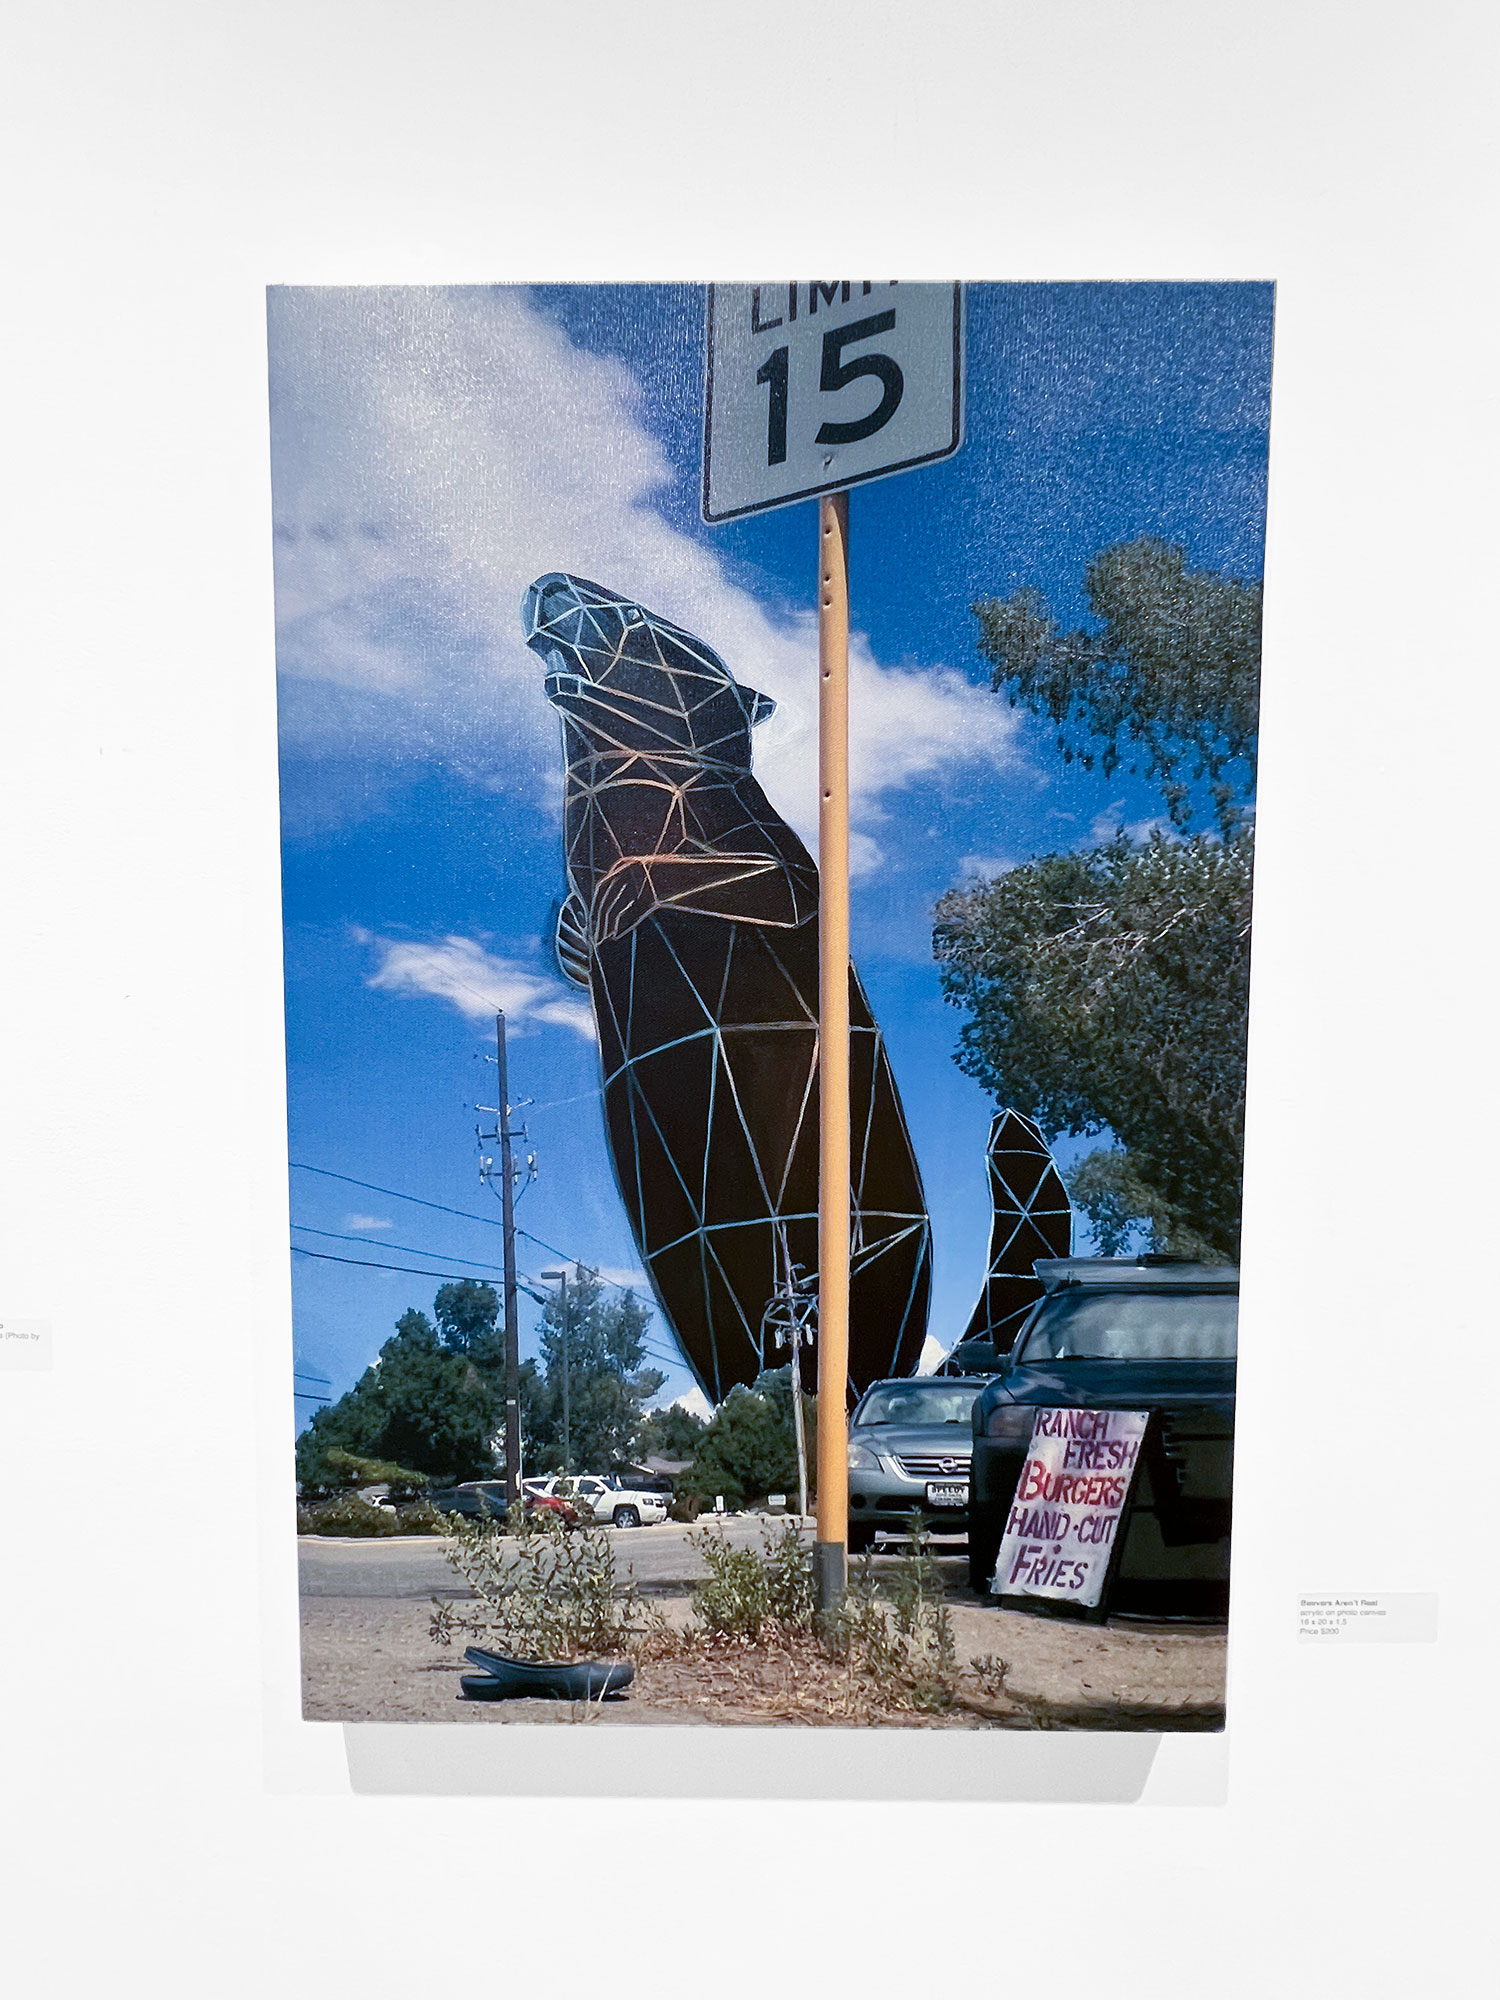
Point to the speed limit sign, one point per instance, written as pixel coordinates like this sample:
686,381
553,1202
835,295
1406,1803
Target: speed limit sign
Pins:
812,387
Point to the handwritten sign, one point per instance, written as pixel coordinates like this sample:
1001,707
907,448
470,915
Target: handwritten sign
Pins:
1060,1532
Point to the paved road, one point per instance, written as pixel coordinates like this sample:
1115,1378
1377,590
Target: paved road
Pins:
416,1567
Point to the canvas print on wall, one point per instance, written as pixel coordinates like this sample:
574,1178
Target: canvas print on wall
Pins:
550,567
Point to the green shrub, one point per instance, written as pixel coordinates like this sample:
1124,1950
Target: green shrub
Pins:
902,1636
753,1593
896,1635
347,1514
420,1517
542,1591
399,1480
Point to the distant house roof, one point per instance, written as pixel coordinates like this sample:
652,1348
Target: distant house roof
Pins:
658,1468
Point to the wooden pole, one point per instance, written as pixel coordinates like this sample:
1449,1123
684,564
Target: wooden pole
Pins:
830,1549
512,1327
798,1425
567,1371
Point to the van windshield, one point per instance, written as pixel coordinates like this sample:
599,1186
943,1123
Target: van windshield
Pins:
1134,1326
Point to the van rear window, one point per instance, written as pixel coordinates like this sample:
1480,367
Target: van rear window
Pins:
1134,1326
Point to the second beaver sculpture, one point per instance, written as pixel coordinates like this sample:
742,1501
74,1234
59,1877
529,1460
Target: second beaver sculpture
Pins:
691,917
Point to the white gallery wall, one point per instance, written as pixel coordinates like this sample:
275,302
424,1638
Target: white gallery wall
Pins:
170,1823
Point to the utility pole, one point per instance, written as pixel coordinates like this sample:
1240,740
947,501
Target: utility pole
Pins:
512,1323
798,1425
505,1135
562,1277
788,1320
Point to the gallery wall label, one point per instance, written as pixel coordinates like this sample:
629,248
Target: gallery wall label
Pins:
816,386
1064,1521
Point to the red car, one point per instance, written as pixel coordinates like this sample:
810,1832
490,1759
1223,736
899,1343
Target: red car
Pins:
542,1497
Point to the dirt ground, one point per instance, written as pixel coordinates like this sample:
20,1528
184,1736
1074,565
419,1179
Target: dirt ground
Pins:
370,1659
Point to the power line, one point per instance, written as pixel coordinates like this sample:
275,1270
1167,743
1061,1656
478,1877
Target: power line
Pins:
396,1195
674,1362
369,1263
410,1270
327,1257
415,1249
490,1221
553,1251
556,1103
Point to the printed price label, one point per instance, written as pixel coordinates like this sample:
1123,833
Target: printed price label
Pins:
1391,1616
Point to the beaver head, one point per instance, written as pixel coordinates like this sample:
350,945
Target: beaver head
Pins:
626,679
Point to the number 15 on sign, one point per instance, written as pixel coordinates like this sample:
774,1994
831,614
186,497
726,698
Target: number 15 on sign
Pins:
817,386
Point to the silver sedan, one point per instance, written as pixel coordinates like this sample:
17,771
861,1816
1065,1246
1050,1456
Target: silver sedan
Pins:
910,1443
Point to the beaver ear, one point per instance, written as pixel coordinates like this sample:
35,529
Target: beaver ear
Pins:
762,708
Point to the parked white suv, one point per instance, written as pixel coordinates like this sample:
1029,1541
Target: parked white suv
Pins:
600,1497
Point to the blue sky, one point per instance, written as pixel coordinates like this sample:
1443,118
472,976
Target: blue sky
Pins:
435,450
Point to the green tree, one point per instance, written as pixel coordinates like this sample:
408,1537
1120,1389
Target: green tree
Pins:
750,1447
421,1405
1169,684
1107,991
603,1350
672,1432
467,1315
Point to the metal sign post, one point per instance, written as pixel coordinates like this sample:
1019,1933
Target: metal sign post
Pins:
829,1551
811,389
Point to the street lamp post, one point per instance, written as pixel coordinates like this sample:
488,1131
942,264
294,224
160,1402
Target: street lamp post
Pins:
561,1277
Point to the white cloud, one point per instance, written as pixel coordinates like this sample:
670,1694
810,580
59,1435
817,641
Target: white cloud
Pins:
694,1402
932,1356
987,865
435,451
865,854
627,1276
460,971
368,1222
1107,824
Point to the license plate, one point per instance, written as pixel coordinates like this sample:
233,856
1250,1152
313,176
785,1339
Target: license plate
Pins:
947,1492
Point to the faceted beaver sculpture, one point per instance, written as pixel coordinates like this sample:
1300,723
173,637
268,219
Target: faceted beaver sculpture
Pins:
1032,1218
691,917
